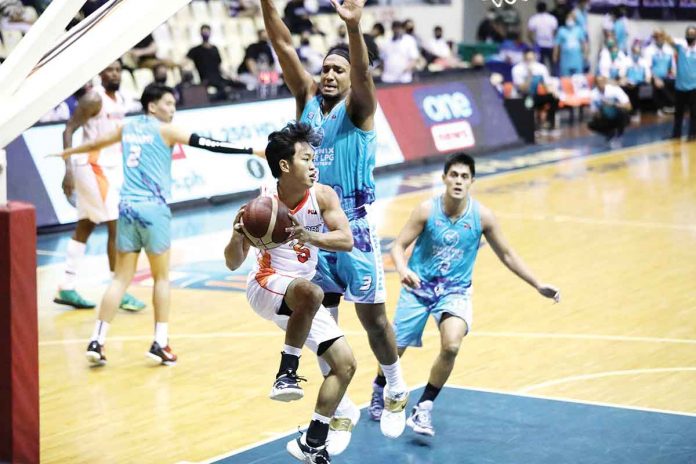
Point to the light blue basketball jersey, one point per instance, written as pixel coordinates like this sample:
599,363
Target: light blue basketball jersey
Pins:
147,162
346,157
445,251
686,68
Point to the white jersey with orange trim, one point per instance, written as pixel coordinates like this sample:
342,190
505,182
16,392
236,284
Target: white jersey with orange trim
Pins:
292,259
109,118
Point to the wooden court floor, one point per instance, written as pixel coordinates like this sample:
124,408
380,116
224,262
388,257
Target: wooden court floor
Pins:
616,232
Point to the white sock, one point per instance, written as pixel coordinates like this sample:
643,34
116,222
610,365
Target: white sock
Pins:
287,349
395,378
99,332
324,367
73,258
162,333
334,312
345,407
320,418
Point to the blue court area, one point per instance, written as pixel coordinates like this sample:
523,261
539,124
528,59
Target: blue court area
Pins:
481,427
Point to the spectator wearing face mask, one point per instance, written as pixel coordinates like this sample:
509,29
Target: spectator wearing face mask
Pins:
399,56
440,51
616,22
531,79
610,111
206,58
685,81
491,28
612,61
637,74
570,47
660,55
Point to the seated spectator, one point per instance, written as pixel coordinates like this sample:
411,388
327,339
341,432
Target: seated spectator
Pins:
612,61
531,79
637,74
296,17
660,55
342,35
491,28
242,8
206,58
542,30
610,110
311,59
160,75
440,50
570,47
399,56
512,50
257,57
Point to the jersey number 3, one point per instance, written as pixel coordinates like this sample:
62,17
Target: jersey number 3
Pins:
303,253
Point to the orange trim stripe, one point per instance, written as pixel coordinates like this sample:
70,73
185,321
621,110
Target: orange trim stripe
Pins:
301,203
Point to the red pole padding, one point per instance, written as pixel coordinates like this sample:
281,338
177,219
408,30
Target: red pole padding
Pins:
19,338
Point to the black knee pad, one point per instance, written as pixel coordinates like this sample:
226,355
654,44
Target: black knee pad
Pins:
331,300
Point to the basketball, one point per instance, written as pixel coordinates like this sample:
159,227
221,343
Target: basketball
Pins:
264,222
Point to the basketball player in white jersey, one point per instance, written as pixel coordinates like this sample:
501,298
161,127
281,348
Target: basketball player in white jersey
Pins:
96,178
280,288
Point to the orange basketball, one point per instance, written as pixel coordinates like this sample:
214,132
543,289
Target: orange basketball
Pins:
264,222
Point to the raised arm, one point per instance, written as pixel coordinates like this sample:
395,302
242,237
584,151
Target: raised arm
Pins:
339,237
299,81
172,135
98,144
508,256
413,228
238,247
361,104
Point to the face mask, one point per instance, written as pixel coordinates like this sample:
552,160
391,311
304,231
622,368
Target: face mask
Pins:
614,55
690,40
438,36
161,79
570,23
205,36
611,44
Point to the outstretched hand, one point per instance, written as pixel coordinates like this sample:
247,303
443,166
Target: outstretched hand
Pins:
549,291
350,11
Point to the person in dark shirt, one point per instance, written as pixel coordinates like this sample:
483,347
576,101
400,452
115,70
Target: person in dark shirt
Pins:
206,58
296,17
144,52
257,57
491,28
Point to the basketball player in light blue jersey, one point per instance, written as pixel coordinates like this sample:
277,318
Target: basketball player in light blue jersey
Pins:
437,280
342,107
144,216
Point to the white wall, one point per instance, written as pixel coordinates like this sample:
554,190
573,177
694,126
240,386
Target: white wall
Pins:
426,17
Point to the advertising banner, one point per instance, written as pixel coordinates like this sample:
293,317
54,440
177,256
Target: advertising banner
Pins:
440,118
196,173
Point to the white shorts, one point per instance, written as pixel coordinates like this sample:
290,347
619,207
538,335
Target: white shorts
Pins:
98,190
266,297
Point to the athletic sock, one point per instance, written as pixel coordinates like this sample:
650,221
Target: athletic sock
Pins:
430,393
73,258
99,332
318,430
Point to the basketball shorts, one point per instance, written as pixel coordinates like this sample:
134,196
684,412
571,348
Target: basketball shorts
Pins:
358,274
412,314
143,225
97,190
265,295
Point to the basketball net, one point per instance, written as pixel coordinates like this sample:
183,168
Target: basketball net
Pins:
48,64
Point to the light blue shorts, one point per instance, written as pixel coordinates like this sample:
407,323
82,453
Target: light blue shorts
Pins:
412,314
358,274
143,225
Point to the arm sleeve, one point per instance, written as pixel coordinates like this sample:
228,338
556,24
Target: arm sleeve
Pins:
217,146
